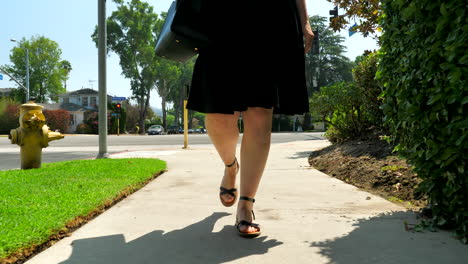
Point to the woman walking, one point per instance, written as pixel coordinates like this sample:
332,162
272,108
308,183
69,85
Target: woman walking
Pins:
254,67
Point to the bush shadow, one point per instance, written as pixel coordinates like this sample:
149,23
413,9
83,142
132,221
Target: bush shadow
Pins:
300,155
196,243
384,239
312,137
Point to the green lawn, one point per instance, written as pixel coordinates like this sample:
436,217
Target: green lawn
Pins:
35,204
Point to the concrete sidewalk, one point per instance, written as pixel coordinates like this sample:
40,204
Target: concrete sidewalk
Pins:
306,217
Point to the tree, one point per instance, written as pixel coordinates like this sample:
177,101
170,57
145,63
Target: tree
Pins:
178,94
330,65
367,12
168,74
131,34
132,116
66,68
45,67
201,118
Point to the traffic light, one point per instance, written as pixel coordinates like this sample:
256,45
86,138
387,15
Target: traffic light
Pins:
119,107
333,13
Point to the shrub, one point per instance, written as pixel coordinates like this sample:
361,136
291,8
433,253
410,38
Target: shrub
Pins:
9,116
57,120
424,67
352,109
83,129
91,119
369,90
340,104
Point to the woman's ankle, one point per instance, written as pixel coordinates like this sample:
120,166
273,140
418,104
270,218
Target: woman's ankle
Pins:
244,205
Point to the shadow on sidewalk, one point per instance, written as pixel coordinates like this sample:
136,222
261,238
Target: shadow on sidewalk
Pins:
383,239
196,243
301,155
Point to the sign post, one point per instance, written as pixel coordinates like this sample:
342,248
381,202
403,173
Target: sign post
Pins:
186,118
119,110
118,125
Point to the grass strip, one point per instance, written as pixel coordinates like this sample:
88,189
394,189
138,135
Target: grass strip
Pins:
37,204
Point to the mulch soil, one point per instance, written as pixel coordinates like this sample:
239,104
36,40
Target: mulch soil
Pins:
369,164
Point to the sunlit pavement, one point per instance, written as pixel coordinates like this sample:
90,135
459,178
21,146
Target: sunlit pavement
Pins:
305,215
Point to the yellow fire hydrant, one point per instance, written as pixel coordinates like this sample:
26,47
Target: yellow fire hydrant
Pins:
32,135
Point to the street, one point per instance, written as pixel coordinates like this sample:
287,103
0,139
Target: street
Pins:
74,147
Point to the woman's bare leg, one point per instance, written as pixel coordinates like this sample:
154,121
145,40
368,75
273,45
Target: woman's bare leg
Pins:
224,133
254,153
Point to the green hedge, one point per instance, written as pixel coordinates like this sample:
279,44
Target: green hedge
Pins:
424,69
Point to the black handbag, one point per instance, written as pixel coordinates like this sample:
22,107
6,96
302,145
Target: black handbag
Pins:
183,32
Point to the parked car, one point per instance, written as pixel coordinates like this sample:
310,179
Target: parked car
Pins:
181,130
173,130
200,131
156,130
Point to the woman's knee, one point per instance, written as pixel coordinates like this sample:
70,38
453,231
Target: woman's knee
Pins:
220,121
258,120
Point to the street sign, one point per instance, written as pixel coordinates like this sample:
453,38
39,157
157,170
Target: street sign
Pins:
114,114
1,77
119,98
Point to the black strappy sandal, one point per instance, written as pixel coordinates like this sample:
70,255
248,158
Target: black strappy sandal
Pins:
232,192
246,223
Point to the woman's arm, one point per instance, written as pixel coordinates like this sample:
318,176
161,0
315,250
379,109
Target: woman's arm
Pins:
306,29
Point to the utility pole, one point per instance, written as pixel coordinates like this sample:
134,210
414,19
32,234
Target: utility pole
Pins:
102,53
27,75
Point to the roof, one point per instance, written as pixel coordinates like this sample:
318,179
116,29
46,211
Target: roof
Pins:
65,106
6,90
80,92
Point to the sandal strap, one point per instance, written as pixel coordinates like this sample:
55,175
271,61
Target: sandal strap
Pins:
232,164
247,199
228,191
247,223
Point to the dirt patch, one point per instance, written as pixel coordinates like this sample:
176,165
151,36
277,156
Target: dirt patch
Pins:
370,165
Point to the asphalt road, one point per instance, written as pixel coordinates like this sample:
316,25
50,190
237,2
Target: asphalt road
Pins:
74,147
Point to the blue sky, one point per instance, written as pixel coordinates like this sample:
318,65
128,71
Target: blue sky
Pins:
71,22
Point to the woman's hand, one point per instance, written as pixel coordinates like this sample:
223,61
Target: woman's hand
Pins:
308,36
306,29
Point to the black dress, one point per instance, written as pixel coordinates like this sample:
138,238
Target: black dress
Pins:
256,59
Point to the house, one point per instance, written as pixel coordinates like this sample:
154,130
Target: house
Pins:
76,113
5,92
77,103
86,97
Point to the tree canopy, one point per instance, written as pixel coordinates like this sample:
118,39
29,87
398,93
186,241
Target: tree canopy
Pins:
330,65
365,13
46,74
